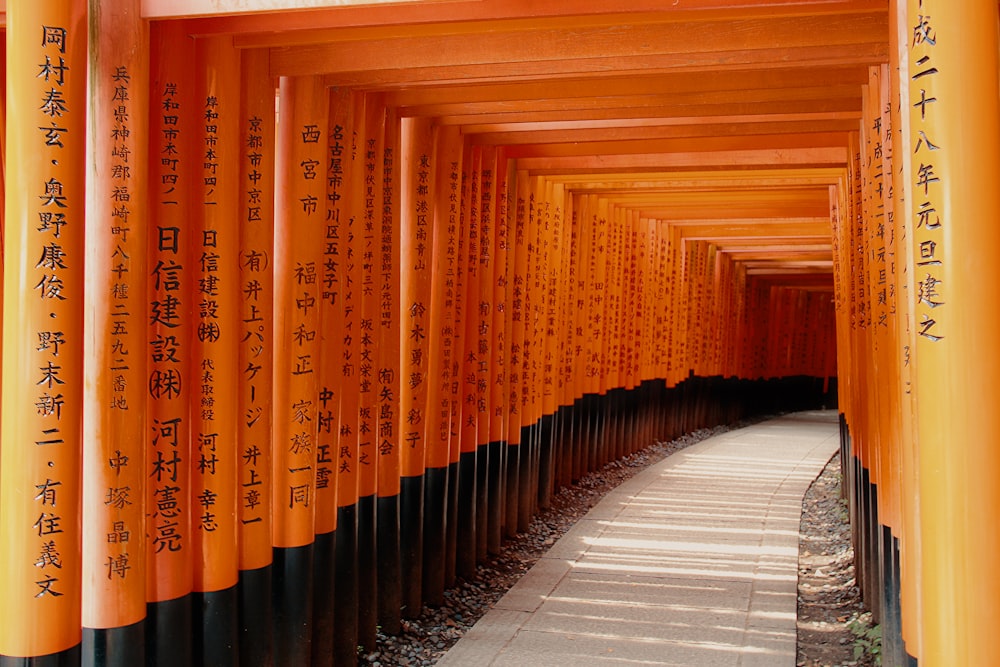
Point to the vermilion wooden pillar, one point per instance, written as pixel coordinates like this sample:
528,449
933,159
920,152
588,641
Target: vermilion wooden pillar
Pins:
174,160
300,188
255,368
953,132
441,358
347,110
390,420
113,607
43,344
417,276
217,288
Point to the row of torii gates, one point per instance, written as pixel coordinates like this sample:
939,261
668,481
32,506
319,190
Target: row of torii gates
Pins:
307,308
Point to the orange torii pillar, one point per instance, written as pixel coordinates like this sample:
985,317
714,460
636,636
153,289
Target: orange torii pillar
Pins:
256,356
514,335
388,348
907,546
173,156
216,290
43,342
953,131
299,227
469,503
371,120
490,447
566,368
347,111
331,284
443,230
453,143
500,384
417,277
114,477
552,235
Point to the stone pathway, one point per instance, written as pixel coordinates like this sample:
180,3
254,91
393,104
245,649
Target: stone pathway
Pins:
691,562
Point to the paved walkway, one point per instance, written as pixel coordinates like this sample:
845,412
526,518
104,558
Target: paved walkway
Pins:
694,561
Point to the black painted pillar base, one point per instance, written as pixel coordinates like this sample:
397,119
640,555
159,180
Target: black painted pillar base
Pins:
367,574
545,461
511,495
254,601
216,622
524,500
482,501
495,496
451,529
411,545
345,575
465,546
324,554
114,647
68,658
292,599
435,534
390,585
168,633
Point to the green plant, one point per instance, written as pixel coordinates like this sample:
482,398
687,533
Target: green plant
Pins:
867,638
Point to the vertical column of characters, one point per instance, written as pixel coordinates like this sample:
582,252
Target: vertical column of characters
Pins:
347,111
217,333
43,342
501,337
529,347
954,123
435,410
453,154
334,277
469,507
517,519
895,140
417,259
885,323
301,151
553,242
324,639
470,358
485,336
169,511
389,362
488,454
568,311
583,360
255,369
114,476
298,244
372,135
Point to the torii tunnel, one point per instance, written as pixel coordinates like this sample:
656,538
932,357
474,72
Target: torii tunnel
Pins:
307,306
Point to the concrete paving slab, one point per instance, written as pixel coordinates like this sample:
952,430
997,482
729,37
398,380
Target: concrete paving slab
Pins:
691,562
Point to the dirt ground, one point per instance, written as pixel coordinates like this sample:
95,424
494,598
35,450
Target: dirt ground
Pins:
829,600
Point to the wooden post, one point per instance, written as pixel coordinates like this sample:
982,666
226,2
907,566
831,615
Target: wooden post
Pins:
256,356
417,268
43,340
954,128
299,228
174,114
217,290
440,358
114,471
389,367
347,110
